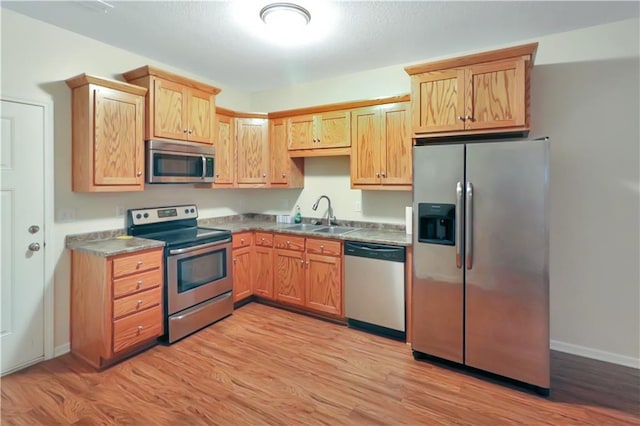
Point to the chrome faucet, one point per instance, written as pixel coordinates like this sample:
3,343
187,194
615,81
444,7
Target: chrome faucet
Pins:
330,216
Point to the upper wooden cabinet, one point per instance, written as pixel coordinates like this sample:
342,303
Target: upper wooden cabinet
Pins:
107,135
225,144
177,108
381,151
326,130
284,171
481,93
252,149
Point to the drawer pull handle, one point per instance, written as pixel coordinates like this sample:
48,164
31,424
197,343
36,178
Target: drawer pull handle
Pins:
302,261
140,329
321,248
262,239
139,262
242,240
139,303
139,284
288,242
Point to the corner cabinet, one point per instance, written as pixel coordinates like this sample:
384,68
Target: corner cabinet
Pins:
381,151
107,135
177,108
476,94
116,304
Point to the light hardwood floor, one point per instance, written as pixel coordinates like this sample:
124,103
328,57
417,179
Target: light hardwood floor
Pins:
264,365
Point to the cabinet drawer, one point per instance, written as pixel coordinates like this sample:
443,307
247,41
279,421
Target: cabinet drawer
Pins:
289,242
137,302
137,282
325,247
264,239
137,328
242,239
138,262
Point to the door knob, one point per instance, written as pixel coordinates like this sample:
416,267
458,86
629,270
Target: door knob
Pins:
34,247
33,229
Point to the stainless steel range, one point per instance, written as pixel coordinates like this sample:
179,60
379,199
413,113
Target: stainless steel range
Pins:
198,272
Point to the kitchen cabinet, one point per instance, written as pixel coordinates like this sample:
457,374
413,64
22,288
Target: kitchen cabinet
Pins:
225,161
263,261
107,135
252,148
116,304
177,108
284,171
482,93
309,273
242,266
327,130
381,151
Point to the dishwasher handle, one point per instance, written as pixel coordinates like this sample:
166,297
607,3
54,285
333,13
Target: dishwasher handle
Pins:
374,251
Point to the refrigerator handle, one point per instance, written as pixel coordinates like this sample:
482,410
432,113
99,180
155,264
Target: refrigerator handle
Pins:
459,225
469,225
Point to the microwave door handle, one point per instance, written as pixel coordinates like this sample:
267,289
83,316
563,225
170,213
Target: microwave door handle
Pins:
204,167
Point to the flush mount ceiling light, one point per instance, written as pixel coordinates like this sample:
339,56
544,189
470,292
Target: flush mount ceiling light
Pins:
285,16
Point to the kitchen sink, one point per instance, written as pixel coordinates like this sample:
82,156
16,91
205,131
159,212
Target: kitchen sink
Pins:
336,230
304,227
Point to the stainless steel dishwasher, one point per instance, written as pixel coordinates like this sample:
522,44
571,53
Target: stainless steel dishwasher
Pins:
374,288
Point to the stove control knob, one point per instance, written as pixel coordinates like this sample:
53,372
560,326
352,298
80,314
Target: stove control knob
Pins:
193,210
186,211
146,215
138,216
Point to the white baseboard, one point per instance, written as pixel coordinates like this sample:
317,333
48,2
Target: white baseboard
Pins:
61,350
569,348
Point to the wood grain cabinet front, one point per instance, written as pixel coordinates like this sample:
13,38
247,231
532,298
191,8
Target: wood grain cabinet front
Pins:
487,92
318,131
107,135
116,304
252,150
285,172
242,273
263,262
177,107
381,151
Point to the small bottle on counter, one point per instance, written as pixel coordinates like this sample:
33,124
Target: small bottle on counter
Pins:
298,217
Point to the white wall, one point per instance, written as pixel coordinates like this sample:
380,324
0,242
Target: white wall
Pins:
585,96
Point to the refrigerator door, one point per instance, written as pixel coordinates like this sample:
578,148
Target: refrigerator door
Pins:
437,279
507,278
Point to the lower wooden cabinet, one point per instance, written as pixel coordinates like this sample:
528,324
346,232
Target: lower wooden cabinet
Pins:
323,284
116,304
242,266
263,261
289,276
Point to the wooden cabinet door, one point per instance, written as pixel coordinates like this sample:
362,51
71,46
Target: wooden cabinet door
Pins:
333,129
170,116
252,150
289,276
225,150
279,170
495,94
201,111
438,101
301,132
263,272
118,150
366,146
324,284
396,159
242,273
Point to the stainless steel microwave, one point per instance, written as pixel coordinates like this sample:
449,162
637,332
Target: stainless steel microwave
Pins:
179,162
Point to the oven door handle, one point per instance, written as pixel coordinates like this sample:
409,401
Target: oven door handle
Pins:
200,247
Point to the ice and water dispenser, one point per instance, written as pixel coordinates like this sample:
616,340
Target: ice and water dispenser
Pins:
437,223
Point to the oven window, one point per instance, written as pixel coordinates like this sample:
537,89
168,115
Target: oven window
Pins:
199,270
176,165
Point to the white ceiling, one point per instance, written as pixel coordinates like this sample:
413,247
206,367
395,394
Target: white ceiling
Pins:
225,40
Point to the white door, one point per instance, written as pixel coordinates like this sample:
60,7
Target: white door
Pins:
21,235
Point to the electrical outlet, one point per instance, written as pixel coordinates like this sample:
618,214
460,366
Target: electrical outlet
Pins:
66,215
358,206
120,211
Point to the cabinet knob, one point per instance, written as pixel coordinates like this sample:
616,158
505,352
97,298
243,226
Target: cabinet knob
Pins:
190,131
139,262
139,284
307,263
461,118
318,140
217,175
140,329
284,175
262,239
288,242
468,117
383,175
264,175
377,174
242,240
139,303
184,130
139,174
321,248
314,140
235,259
302,261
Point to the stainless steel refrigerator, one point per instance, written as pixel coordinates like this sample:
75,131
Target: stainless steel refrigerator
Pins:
481,263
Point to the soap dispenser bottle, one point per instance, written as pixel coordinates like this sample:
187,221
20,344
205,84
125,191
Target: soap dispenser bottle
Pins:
298,216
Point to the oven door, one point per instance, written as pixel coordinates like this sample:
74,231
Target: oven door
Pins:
198,273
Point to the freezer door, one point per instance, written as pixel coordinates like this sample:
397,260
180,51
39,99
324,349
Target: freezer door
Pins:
437,321
507,279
